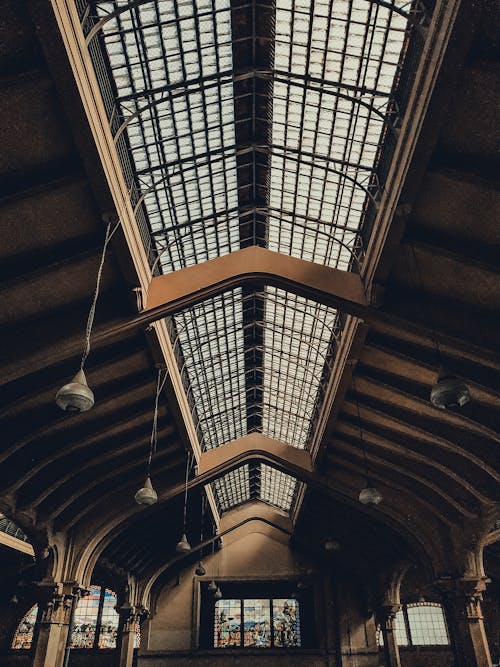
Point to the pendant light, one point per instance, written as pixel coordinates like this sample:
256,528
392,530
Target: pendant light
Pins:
449,391
146,495
200,570
218,594
212,586
76,396
183,546
370,495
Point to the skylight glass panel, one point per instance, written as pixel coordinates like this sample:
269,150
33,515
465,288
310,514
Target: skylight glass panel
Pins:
325,132
277,488
171,63
233,488
297,335
173,122
211,338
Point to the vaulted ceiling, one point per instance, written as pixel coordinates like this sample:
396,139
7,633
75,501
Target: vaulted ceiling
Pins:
356,137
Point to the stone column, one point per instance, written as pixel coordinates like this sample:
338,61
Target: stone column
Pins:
462,604
55,602
130,621
386,616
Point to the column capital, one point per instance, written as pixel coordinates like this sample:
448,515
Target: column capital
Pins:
56,599
132,616
466,588
387,613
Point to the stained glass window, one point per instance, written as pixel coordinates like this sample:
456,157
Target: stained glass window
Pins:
24,633
109,621
257,623
95,623
227,623
85,619
286,622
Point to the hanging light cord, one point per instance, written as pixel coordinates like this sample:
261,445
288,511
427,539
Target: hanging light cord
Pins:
363,448
90,320
186,489
203,510
154,431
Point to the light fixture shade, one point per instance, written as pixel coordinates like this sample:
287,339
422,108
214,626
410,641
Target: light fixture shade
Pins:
218,593
332,545
183,546
212,586
370,496
200,570
146,494
76,396
449,392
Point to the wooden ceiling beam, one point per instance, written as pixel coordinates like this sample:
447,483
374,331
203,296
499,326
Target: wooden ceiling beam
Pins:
254,266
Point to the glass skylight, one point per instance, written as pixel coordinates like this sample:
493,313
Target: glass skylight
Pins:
277,488
211,338
180,130
233,488
255,481
297,335
251,360
326,131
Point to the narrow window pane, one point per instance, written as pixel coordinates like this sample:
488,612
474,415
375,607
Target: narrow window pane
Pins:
85,620
286,622
401,636
109,621
227,626
257,623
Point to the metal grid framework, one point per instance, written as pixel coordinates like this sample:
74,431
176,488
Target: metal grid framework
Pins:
419,624
9,527
255,481
184,127
325,134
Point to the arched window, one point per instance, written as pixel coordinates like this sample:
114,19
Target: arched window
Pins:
23,636
419,624
427,624
95,623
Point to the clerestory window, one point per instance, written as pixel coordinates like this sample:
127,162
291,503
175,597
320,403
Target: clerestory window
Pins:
258,614
257,623
419,624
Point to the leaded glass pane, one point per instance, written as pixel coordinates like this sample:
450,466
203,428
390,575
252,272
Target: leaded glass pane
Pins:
427,624
286,622
333,70
400,629
85,619
109,621
325,134
24,633
227,626
257,623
